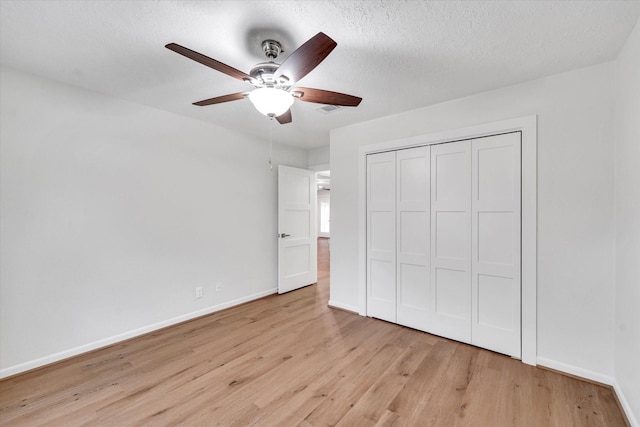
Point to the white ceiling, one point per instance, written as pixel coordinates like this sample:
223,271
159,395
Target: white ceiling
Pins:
396,55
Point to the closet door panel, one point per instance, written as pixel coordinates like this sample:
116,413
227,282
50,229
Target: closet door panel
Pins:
413,237
496,243
381,236
413,231
451,240
451,288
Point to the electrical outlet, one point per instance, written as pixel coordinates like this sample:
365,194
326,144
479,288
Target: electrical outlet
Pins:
199,292
218,286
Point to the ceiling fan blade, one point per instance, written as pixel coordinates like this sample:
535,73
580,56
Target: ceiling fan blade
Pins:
284,118
209,62
306,57
320,96
220,99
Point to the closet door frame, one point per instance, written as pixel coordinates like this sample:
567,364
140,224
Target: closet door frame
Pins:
528,128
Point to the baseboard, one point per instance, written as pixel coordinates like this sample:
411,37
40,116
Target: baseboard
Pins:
66,354
624,404
345,307
585,374
574,370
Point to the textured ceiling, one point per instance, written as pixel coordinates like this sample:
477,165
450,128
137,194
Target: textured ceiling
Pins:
396,55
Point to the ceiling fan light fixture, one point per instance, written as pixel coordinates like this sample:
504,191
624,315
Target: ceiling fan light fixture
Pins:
274,82
270,101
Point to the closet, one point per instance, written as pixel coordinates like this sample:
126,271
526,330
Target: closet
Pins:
443,240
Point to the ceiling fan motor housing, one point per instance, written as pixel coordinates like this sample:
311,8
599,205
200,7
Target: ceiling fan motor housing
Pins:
264,72
263,75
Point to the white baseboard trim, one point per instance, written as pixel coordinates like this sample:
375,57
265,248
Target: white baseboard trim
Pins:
625,405
342,306
56,357
574,370
593,376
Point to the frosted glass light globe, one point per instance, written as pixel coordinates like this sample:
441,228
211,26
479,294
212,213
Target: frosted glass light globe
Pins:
270,101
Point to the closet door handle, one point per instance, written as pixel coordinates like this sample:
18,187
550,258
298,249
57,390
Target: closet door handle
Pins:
283,235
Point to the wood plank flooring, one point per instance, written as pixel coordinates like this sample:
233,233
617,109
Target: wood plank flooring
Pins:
290,360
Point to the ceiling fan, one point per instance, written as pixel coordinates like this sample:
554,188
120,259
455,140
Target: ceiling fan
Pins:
274,83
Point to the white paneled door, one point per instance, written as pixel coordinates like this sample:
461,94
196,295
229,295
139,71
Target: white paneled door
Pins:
451,240
381,236
443,240
297,258
398,229
496,243
412,230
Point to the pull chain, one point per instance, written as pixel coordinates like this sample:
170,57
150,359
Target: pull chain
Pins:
270,143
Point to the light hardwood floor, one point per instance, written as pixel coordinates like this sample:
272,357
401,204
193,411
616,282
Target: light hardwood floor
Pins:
290,360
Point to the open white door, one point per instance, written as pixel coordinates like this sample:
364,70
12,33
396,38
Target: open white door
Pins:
297,257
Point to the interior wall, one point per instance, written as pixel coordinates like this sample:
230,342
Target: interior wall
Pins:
318,157
627,208
575,204
112,213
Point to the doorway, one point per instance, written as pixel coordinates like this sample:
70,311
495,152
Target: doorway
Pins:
323,183
323,187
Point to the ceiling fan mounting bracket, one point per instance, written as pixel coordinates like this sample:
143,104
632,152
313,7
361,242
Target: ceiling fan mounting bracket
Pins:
271,49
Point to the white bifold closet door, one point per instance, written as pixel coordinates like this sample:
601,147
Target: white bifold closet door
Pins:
496,282
381,236
443,240
398,236
451,240
413,235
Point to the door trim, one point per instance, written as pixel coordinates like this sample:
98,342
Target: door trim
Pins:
528,126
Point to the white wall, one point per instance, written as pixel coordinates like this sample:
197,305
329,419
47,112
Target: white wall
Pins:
112,213
627,208
575,204
318,157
